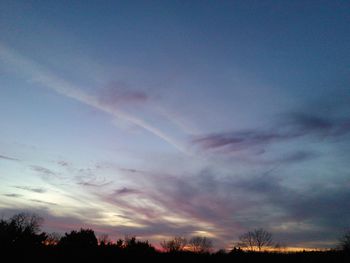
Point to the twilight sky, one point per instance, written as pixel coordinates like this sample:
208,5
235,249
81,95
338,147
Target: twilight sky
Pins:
163,118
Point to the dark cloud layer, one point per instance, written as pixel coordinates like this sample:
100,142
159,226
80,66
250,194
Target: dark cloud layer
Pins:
294,126
233,205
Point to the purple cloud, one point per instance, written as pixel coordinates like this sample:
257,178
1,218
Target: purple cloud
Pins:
118,93
295,126
237,141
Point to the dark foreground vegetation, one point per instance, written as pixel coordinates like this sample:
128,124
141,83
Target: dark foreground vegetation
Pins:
22,240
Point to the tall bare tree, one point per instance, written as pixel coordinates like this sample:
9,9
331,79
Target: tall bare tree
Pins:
256,239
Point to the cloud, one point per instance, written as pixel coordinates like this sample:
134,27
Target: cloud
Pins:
126,191
131,171
13,195
94,184
223,206
284,158
43,170
8,158
196,203
307,124
309,214
295,125
237,141
87,177
118,93
297,156
32,189
226,205
64,163
42,202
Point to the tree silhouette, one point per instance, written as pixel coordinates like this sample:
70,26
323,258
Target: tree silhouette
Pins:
174,245
52,239
84,238
256,239
344,242
21,230
119,243
200,244
104,240
136,246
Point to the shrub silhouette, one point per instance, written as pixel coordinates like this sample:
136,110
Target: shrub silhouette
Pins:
84,238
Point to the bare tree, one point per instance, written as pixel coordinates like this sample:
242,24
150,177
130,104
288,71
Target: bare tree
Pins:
200,244
27,222
257,239
246,240
174,245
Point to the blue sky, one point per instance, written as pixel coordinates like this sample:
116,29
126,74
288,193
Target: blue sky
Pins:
163,118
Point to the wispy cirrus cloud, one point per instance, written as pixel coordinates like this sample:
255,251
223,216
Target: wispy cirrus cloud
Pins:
43,76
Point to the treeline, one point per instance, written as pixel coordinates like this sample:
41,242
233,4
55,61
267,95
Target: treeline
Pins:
21,239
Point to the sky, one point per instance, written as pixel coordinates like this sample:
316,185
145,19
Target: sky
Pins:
164,118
